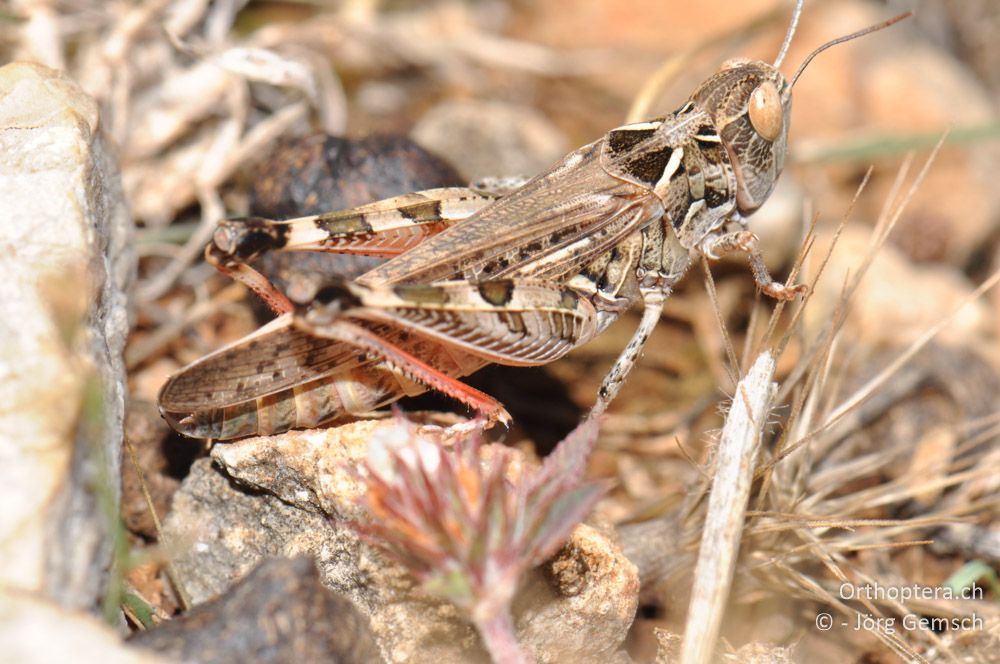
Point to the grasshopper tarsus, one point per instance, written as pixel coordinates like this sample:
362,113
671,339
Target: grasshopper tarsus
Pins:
783,292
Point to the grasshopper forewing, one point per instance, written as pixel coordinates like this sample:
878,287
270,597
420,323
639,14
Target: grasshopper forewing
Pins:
474,278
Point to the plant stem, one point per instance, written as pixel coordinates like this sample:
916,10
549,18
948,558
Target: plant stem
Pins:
497,632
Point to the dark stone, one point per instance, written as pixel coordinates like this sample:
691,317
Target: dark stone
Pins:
164,459
278,613
321,173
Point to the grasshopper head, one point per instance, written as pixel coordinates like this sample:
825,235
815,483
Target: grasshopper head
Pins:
750,102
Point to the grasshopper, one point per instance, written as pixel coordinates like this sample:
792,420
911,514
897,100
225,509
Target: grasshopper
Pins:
474,277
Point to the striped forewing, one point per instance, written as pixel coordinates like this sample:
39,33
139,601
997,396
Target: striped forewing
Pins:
577,202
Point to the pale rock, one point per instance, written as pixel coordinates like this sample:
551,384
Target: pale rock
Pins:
36,631
577,607
66,261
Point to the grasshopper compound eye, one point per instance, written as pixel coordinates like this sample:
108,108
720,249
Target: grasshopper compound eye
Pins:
765,111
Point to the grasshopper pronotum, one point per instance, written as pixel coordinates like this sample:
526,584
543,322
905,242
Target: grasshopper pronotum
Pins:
519,279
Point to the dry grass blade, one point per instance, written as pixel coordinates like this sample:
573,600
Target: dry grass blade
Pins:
713,296
878,381
793,324
827,428
720,542
887,220
182,596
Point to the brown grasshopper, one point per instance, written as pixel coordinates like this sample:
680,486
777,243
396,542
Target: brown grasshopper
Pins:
519,279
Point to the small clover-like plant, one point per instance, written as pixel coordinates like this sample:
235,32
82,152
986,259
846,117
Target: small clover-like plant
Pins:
468,527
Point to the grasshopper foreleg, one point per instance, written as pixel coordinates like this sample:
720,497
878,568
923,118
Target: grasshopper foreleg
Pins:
748,243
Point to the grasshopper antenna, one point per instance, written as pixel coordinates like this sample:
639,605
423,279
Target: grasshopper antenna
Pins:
791,33
840,40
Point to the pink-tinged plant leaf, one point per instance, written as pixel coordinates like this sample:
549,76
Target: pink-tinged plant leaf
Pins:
568,461
561,517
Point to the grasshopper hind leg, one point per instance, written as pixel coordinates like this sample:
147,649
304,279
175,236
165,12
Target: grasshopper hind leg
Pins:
413,368
434,333
383,229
